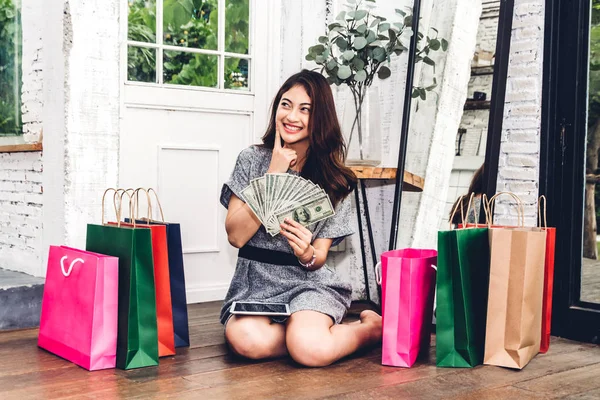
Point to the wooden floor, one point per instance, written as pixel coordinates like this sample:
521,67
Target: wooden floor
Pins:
206,371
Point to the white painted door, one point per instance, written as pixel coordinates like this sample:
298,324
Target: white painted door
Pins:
184,140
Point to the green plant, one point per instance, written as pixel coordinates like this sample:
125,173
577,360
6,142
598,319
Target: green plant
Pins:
10,67
359,43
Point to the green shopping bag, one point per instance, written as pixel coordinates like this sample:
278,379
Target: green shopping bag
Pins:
462,289
137,338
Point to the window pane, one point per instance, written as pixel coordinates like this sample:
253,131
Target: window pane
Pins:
10,68
141,21
181,68
236,73
237,16
191,23
141,64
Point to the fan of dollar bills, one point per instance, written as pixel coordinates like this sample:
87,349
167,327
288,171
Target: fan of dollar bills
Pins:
274,197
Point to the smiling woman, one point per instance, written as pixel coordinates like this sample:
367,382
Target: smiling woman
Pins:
10,67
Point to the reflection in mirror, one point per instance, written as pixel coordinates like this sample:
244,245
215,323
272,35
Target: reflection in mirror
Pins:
471,138
590,275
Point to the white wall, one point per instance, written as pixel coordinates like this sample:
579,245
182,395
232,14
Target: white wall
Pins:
518,169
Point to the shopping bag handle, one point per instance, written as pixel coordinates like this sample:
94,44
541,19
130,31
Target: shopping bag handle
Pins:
378,272
540,211
162,215
136,203
62,265
462,214
488,207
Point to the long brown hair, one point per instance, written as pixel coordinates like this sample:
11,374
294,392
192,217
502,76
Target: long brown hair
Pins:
476,187
326,152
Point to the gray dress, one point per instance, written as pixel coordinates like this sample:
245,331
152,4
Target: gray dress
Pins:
321,290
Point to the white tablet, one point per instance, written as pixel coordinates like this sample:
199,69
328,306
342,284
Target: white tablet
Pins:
255,308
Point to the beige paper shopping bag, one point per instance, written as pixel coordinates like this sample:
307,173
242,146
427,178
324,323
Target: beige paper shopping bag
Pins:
514,314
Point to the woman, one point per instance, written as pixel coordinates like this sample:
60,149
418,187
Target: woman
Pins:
303,138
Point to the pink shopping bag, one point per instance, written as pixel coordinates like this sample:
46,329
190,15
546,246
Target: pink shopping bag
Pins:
79,307
407,282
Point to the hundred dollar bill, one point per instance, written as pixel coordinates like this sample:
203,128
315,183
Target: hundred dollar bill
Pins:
308,213
249,197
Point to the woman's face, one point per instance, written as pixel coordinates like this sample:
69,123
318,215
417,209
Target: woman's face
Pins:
293,114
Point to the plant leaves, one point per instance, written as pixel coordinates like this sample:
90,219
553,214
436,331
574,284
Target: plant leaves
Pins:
358,64
341,16
317,49
371,36
384,72
344,72
362,29
334,25
358,14
319,59
415,93
402,13
348,55
375,22
379,54
360,43
434,44
360,76
331,64
423,94
444,44
309,57
429,61
384,27
341,43
323,39
392,35
382,37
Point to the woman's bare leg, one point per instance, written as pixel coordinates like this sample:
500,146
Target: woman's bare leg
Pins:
313,339
256,337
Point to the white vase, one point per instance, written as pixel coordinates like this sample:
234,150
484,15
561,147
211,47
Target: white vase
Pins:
361,126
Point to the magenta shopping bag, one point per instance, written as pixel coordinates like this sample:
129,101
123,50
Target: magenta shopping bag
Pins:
407,285
79,307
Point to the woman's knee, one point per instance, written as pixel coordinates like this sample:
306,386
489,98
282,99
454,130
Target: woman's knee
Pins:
309,348
248,337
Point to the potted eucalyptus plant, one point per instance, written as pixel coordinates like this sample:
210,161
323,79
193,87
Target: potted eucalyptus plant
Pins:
358,46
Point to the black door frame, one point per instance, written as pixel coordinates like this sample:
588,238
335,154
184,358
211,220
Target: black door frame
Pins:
562,169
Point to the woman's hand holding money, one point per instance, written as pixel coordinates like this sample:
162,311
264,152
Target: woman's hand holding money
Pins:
299,239
282,158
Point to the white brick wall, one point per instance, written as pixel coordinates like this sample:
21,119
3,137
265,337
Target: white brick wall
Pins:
21,202
518,169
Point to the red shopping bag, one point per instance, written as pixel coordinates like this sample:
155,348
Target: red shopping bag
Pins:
407,285
548,278
80,307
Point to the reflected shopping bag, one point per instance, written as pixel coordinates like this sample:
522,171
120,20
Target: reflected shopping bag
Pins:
79,308
137,342
462,291
407,285
514,313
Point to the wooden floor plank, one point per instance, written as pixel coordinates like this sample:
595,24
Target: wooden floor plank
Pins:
208,370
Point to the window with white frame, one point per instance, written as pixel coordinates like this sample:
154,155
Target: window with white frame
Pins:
203,43
10,68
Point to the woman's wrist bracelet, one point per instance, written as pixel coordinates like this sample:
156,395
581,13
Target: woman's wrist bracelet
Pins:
312,261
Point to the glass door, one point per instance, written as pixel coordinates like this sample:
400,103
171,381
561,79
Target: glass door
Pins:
570,168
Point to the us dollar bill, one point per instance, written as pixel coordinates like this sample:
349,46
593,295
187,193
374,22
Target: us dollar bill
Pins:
308,213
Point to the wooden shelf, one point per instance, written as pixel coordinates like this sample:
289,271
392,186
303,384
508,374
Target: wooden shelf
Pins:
15,148
477,105
411,182
482,70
